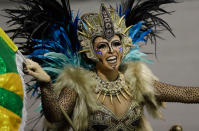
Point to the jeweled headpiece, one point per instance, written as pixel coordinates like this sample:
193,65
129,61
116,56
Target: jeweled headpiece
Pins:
106,24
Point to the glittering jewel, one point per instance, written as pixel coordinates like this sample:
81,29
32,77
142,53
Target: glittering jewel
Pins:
112,88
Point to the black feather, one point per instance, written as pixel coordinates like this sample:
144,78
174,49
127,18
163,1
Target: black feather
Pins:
148,11
34,18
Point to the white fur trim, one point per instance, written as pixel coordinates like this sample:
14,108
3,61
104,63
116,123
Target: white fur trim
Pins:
137,75
82,82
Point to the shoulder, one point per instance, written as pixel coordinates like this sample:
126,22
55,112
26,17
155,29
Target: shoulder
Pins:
74,77
140,79
138,69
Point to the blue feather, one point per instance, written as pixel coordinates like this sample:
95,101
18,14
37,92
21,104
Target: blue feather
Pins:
120,11
85,26
67,41
126,12
136,55
133,31
137,36
75,25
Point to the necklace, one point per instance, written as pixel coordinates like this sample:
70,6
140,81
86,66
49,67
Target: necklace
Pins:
112,88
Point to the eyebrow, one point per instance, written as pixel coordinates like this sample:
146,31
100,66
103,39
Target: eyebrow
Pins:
102,41
105,41
115,40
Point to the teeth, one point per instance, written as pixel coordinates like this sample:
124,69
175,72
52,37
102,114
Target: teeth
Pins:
112,61
111,58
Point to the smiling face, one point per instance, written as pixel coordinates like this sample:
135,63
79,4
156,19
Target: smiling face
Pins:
109,53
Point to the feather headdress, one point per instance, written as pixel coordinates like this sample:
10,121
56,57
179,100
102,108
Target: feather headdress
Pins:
50,28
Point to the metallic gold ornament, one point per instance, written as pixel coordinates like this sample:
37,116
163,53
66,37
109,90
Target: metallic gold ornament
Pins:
125,31
130,45
113,88
84,34
89,24
127,92
123,95
85,50
118,98
106,23
99,95
103,97
111,96
120,21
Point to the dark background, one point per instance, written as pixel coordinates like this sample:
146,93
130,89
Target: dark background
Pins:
177,62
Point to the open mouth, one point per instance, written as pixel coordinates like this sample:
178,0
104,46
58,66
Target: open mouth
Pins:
112,59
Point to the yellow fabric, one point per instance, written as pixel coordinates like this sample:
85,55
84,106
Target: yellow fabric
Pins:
12,82
8,40
9,121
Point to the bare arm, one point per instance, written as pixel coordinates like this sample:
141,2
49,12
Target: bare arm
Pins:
50,102
172,93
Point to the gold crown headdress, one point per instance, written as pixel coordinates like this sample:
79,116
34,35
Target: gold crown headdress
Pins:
106,24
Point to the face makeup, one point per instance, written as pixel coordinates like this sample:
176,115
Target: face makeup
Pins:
109,53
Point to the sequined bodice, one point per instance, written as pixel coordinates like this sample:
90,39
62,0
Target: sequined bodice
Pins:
105,120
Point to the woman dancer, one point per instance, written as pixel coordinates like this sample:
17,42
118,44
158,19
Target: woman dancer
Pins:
105,83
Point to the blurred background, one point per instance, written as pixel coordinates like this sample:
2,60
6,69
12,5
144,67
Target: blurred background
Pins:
177,60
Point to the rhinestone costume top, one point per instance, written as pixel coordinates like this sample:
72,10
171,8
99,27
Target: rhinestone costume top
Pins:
105,120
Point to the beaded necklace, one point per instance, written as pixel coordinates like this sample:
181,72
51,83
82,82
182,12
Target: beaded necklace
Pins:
112,88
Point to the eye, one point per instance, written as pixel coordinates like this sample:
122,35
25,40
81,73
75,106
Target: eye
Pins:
102,46
116,43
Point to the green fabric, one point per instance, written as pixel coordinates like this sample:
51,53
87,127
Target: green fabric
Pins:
11,101
2,66
8,56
